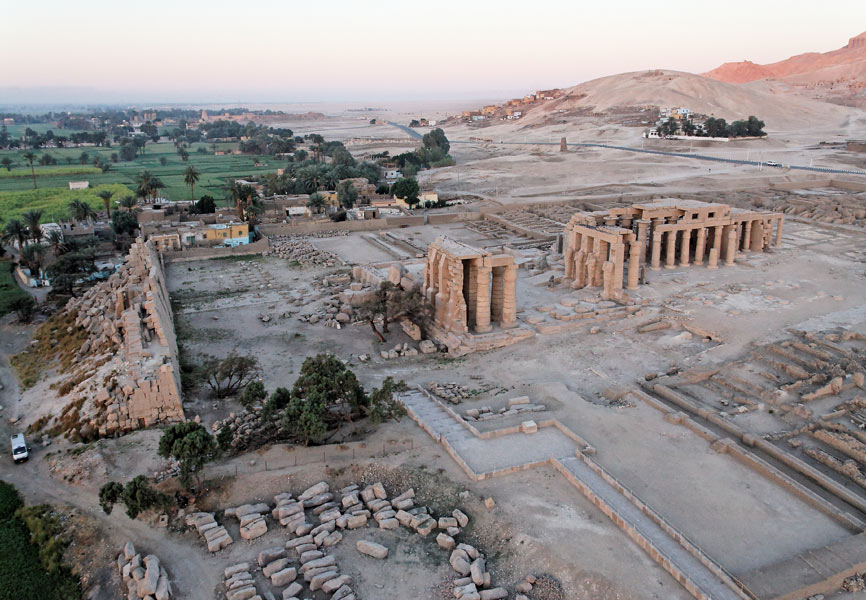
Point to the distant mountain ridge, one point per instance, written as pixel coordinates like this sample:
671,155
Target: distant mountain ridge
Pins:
768,101
838,76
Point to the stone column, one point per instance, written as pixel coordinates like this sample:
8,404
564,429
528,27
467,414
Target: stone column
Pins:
700,245
497,294
671,258
634,256
756,240
607,290
642,231
482,300
571,248
509,305
716,250
441,297
580,262
601,254
456,302
779,232
655,263
747,237
685,248
731,249
617,257
470,288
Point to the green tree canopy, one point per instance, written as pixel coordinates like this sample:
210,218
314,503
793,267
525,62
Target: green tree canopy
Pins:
191,445
406,188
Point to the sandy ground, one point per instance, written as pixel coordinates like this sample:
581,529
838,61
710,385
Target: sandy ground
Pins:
541,524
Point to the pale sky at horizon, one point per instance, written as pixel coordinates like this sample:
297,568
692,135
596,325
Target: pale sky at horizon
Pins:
287,51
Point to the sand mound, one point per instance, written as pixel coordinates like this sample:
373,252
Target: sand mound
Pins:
838,76
772,103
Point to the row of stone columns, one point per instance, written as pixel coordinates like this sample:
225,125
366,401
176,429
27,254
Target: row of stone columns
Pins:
470,293
598,262
721,240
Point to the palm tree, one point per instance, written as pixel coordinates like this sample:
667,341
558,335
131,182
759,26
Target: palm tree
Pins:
106,200
30,157
81,211
15,231
190,176
55,240
148,185
311,177
32,218
316,202
143,181
33,255
128,202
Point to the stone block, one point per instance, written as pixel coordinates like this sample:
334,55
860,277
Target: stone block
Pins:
371,549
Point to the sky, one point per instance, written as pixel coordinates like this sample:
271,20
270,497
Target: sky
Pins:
336,50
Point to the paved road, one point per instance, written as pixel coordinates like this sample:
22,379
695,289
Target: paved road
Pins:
707,157
549,443
408,130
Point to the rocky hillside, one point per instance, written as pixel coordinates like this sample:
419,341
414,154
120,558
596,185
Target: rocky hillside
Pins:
838,76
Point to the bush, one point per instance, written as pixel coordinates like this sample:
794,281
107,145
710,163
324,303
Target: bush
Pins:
227,376
24,308
191,445
31,552
109,495
10,500
139,497
254,394
383,405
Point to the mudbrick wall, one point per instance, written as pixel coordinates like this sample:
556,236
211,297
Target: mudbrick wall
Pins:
134,377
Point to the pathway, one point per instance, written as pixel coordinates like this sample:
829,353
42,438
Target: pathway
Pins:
482,456
755,163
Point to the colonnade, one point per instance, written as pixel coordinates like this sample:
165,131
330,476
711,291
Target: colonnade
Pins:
470,289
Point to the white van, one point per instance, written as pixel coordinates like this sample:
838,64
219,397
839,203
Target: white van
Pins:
20,452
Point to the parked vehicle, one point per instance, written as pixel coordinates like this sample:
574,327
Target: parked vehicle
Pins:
20,451
773,163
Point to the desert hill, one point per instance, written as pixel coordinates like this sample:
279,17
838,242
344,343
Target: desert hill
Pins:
780,110
838,76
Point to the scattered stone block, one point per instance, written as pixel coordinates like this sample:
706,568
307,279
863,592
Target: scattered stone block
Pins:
371,549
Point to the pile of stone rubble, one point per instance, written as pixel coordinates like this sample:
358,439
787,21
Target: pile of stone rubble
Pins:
215,535
129,353
299,250
251,517
318,516
452,392
247,427
144,577
855,583
515,407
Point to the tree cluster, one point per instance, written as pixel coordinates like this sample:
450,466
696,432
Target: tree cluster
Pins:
751,127
191,445
137,496
391,303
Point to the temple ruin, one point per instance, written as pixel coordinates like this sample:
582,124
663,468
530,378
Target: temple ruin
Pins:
129,355
469,287
471,290
609,248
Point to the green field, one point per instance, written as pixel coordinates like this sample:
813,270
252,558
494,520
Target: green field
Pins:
213,170
54,202
18,129
49,172
31,552
9,290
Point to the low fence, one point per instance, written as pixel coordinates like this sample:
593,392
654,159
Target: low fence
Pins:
172,256
299,456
